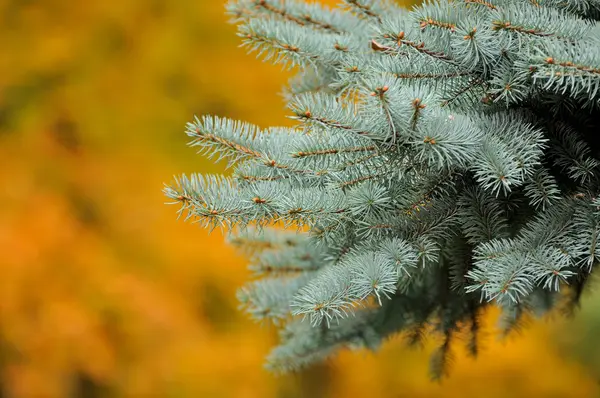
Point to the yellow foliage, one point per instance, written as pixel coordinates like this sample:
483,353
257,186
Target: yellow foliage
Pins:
102,292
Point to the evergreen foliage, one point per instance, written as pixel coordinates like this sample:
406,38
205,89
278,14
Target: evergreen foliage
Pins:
445,158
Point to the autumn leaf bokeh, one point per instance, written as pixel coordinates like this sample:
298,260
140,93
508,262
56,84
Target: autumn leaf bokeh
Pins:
103,293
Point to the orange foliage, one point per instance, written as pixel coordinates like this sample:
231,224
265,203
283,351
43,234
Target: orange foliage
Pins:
102,292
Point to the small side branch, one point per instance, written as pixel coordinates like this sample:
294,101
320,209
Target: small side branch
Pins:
364,9
483,3
333,151
302,21
506,25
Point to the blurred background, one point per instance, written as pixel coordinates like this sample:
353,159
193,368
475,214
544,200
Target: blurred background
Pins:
103,293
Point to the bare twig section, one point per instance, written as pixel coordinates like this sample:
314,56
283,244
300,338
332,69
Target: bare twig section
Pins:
302,21
364,9
569,64
334,151
420,47
360,179
506,25
418,106
424,23
483,3
200,136
308,115
472,84
430,75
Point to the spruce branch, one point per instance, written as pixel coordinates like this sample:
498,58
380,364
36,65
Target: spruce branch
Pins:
445,160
